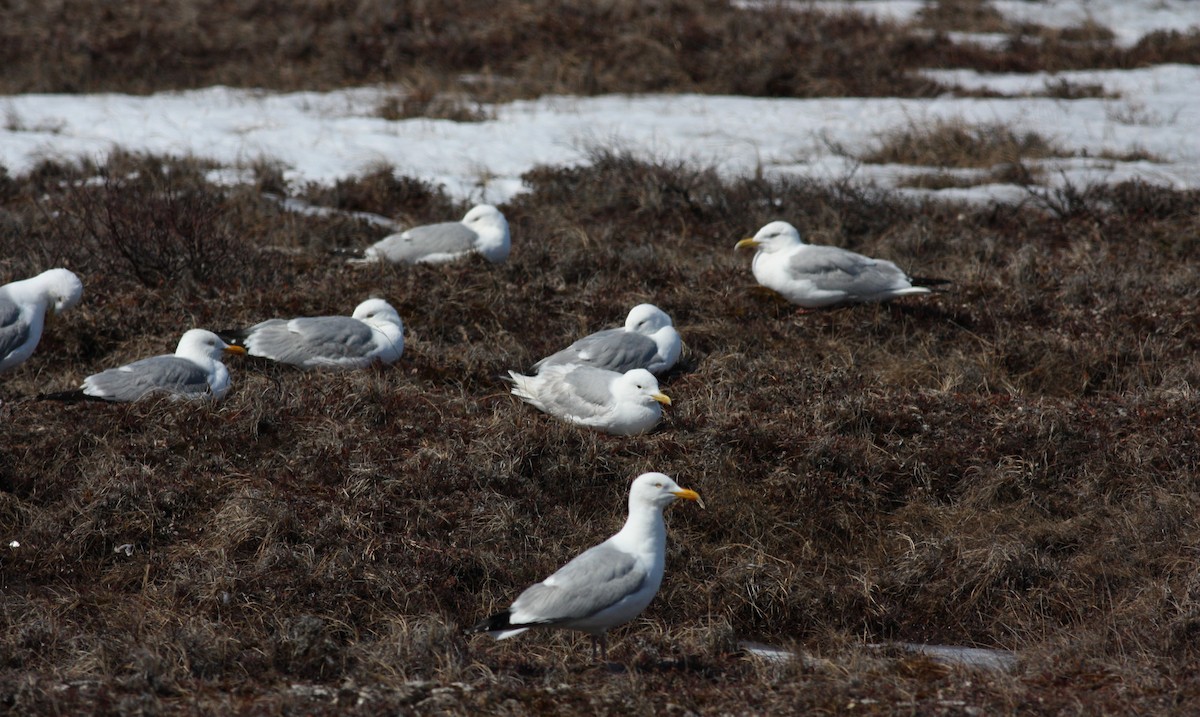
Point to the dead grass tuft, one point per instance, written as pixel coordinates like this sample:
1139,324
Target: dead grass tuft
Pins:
953,143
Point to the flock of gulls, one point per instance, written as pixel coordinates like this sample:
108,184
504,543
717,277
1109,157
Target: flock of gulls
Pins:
605,381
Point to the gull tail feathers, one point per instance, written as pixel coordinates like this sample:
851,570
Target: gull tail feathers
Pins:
520,386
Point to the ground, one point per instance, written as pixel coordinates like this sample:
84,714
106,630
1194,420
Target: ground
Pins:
1009,463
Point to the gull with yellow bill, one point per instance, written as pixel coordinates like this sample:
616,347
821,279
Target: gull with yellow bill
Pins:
606,585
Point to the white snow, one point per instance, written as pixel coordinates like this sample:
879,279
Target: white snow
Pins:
325,136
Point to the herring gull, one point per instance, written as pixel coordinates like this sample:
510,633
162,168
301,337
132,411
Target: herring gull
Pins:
648,340
607,585
623,404
483,230
23,307
815,276
193,371
374,334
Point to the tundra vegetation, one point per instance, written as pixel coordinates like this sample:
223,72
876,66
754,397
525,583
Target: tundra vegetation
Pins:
1010,464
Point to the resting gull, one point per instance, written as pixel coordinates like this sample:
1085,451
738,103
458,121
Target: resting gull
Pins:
193,371
374,334
23,307
607,585
814,276
624,404
483,230
648,341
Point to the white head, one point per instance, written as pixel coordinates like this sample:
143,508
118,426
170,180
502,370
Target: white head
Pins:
200,345
59,288
773,237
646,319
494,240
659,491
641,386
377,311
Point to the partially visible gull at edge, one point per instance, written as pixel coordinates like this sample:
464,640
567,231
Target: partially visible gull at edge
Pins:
648,340
23,306
193,371
607,585
814,276
623,404
373,334
483,230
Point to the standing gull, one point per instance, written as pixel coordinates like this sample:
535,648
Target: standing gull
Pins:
193,371
624,404
648,341
374,334
607,585
814,276
483,230
23,307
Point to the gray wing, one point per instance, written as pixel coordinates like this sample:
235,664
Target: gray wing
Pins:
613,349
596,579
443,240
834,269
309,341
584,392
13,331
131,382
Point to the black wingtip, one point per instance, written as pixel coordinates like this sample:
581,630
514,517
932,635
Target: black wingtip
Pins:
66,396
499,621
346,252
233,337
929,283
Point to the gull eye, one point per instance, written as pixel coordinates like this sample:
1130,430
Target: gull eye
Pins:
658,485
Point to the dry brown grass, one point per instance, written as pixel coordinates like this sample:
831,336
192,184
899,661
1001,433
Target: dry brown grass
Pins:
1011,463
958,144
449,59
1008,464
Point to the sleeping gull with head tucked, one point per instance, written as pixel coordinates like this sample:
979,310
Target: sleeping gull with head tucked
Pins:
648,340
814,276
374,334
193,371
23,307
484,230
623,404
607,585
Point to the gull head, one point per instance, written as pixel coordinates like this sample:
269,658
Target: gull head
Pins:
494,240
658,490
773,237
201,345
487,216
377,311
639,385
646,319
61,288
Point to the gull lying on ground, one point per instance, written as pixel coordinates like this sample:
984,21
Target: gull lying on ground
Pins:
23,307
484,230
373,334
814,276
648,341
193,371
607,585
624,404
